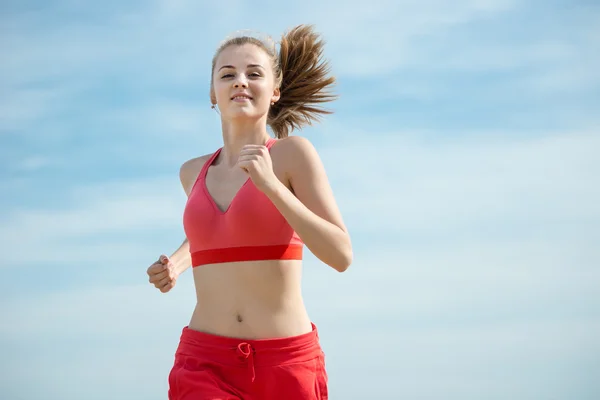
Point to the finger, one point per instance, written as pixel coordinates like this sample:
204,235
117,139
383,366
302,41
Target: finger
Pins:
249,157
154,269
252,151
164,260
250,163
168,287
244,163
162,283
159,276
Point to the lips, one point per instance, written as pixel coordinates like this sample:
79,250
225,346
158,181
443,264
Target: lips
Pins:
240,96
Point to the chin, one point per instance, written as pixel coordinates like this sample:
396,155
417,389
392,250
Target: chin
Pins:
245,113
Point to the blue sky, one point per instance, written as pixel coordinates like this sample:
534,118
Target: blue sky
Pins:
463,154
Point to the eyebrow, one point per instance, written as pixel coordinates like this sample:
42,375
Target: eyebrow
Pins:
248,66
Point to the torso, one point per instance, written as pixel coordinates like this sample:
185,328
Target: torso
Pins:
252,300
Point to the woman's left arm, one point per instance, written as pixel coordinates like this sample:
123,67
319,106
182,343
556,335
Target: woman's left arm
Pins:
311,209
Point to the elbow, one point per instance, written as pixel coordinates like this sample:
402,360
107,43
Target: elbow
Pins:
344,261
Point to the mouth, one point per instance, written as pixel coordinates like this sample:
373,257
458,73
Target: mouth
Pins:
241,97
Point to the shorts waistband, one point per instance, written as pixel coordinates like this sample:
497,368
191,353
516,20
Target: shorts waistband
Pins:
265,352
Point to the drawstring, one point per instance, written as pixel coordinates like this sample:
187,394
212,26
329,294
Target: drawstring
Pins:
246,351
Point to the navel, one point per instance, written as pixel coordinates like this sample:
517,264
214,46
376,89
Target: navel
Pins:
239,318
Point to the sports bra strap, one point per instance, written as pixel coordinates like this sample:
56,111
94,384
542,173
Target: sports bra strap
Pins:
208,163
204,169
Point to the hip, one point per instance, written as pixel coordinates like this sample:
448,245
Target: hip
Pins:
213,366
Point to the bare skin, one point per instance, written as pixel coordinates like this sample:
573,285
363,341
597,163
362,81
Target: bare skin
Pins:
258,299
249,300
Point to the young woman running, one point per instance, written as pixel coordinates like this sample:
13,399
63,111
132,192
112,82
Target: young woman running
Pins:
252,206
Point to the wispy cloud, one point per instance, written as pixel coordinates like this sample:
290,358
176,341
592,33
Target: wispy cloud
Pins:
33,163
173,39
443,183
91,224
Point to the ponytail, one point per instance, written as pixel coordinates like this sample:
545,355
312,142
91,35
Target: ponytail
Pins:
305,82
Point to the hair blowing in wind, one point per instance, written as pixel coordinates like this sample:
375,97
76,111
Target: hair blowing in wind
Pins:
305,81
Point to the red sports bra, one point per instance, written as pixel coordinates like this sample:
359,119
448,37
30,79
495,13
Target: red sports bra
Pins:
251,228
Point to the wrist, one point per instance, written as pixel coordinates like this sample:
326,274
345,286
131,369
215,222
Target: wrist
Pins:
177,262
273,189
180,267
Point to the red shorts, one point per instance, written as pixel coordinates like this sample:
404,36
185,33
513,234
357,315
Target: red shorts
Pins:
211,367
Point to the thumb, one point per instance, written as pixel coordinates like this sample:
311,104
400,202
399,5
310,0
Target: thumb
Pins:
164,260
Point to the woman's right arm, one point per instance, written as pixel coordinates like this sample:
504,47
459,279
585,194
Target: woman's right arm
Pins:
181,259
165,271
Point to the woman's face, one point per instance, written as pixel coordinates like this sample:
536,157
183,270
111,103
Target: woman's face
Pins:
243,82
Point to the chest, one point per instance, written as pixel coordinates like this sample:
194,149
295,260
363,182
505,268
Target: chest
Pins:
223,186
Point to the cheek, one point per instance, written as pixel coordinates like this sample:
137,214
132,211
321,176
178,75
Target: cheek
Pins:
221,90
264,91
222,87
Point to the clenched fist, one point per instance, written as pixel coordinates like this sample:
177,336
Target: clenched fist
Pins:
256,161
162,274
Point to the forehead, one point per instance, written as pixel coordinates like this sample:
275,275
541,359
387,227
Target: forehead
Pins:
240,56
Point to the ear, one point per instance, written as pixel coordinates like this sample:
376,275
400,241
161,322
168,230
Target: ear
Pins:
276,95
213,97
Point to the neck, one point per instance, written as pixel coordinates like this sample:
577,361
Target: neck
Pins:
237,134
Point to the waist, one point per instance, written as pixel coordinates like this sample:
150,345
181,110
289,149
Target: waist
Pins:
265,352
247,253
252,328
257,299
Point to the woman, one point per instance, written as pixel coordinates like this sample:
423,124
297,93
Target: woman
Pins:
252,206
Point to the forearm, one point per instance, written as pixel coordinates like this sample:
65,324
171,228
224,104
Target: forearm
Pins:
181,257
328,242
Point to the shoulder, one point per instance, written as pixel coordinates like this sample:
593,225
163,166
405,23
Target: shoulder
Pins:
296,152
299,158
294,144
189,171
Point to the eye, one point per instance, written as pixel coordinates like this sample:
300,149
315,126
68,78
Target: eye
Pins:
255,75
226,76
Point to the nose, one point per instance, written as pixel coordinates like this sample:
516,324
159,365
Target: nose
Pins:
240,81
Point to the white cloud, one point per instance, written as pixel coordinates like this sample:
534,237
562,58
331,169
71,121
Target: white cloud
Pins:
34,163
170,44
568,78
175,37
371,41
94,221
20,107
167,118
424,182
129,41
531,360
121,312
115,340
